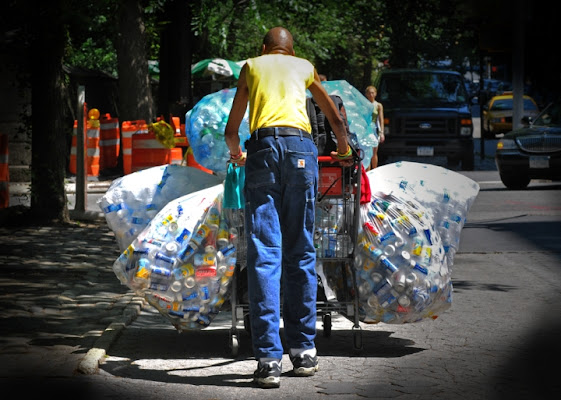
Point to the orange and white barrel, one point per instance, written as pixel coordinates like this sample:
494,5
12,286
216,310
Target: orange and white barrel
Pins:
91,148
109,142
191,162
4,172
128,130
148,152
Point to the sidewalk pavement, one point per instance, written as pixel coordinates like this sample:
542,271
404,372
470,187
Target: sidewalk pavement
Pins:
59,298
60,301
20,195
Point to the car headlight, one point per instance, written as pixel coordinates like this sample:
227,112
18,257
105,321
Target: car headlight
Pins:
465,131
506,144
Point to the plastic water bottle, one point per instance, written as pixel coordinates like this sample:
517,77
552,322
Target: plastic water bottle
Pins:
332,245
141,279
417,245
200,235
213,218
223,235
385,294
164,261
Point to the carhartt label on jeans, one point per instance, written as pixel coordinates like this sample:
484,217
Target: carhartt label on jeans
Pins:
301,163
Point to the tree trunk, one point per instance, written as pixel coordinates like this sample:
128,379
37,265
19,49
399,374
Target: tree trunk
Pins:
174,96
135,94
48,157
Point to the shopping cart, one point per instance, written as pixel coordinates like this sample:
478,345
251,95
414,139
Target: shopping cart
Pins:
336,231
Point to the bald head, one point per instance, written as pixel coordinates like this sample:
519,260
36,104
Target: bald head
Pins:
278,40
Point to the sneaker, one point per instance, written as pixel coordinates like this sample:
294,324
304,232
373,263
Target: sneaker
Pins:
305,365
267,375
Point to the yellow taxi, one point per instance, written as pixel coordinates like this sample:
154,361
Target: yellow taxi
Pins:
497,114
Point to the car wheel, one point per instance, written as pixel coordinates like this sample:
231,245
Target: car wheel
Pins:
515,182
468,163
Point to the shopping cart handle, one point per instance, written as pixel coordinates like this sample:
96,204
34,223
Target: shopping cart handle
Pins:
325,159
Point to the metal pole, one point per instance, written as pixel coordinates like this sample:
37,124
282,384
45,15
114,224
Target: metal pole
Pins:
81,187
482,100
518,66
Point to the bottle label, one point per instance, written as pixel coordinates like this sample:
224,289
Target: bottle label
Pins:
190,296
369,226
387,237
183,236
201,234
205,272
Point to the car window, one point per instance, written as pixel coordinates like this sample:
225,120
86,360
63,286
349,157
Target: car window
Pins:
506,104
551,116
501,105
529,105
422,88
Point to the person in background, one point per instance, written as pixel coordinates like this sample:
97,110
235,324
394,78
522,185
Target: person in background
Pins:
378,120
281,179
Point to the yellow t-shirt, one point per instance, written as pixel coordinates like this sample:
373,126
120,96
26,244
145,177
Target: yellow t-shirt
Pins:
277,91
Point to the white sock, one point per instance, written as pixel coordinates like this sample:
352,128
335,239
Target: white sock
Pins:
302,352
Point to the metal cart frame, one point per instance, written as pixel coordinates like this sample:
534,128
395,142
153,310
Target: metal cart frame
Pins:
339,189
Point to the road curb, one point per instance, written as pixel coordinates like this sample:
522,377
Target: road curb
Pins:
96,355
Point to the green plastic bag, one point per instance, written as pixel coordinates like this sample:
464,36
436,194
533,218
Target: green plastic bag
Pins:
233,188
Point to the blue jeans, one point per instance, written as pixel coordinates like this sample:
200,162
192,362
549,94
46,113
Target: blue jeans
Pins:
281,176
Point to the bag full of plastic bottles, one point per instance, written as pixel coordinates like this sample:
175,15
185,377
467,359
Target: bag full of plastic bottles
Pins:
133,200
205,124
183,262
359,114
446,194
401,270
407,239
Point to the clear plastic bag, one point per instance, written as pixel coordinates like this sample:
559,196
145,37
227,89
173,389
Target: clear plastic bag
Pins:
183,262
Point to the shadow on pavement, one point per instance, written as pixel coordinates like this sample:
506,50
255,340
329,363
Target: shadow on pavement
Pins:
58,293
160,353
542,233
533,370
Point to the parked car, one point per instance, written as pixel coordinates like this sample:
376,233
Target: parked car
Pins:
532,152
426,113
489,89
497,114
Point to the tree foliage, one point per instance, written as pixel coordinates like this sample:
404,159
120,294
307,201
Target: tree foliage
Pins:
344,39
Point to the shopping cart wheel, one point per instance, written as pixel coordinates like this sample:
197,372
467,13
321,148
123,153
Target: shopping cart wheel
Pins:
326,318
246,323
234,343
